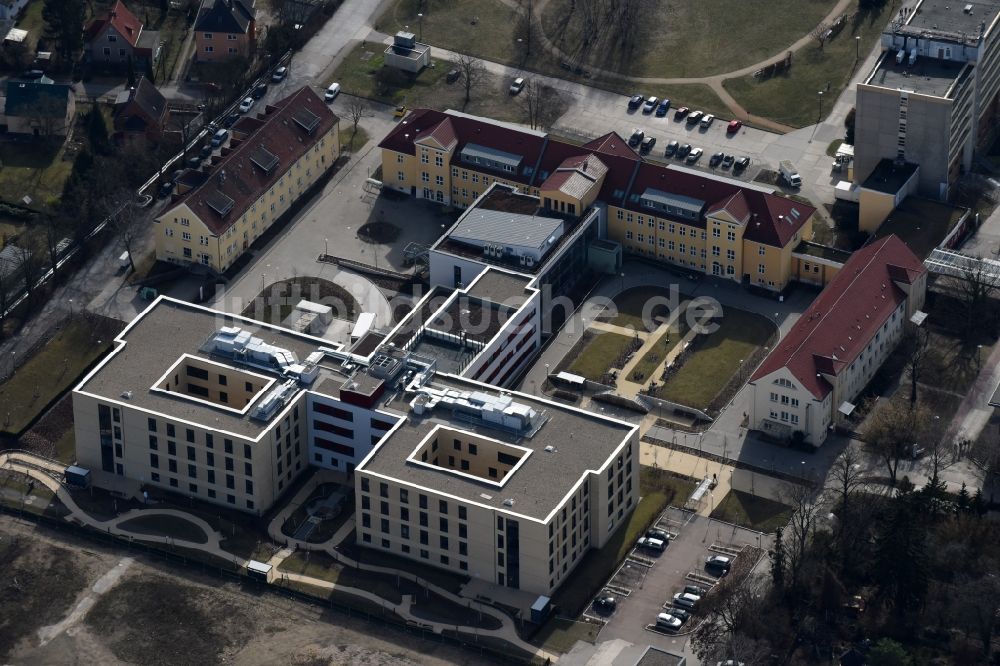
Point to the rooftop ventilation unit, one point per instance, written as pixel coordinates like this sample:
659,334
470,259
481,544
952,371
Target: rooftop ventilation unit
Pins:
508,502
274,400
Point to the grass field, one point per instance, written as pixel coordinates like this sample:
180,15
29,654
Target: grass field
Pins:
484,28
598,355
560,635
55,368
351,142
166,526
443,579
362,74
757,513
717,358
32,21
34,169
642,370
685,39
632,304
792,98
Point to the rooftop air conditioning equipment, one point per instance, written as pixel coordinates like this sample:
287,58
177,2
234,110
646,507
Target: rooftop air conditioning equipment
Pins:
900,56
508,502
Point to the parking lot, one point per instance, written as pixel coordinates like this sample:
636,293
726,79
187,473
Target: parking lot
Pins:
589,120
647,581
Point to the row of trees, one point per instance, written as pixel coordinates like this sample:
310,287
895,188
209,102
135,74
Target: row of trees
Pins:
863,564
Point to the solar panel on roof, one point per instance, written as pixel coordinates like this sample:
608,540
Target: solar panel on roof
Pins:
264,158
306,119
219,202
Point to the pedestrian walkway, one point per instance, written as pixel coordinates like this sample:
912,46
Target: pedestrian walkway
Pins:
42,470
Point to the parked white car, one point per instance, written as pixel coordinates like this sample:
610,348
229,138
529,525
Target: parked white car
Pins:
246,105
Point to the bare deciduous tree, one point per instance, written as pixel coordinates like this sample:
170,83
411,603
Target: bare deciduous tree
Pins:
895,429
473,75
124,218
976,286
801,526
820,32
916,346
356,110
540,103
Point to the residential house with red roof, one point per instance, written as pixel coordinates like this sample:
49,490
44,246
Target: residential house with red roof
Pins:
225,29
708,224
809,380
272,160
116,37
140,114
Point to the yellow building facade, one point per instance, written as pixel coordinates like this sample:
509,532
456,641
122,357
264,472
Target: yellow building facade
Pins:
271,162
713,226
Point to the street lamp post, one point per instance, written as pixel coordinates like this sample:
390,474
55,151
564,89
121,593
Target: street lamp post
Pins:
820,96
857,48
326,247
420,27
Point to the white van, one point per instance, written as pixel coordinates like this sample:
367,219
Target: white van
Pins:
332,92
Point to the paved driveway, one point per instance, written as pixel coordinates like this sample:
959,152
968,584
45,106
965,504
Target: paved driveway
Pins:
686,554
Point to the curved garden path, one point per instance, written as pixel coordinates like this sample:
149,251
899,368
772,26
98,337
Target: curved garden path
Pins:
715,82
42,470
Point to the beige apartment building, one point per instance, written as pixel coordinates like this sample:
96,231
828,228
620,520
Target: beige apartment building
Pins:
451,472
271,161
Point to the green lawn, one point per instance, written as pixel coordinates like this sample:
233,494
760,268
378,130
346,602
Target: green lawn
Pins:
31,20
757,513
56,367
791,98
166,526
921,223
598,355
443,579
631,306
66,447
351,142
484,28
318,564
651,359
279,299
32,168
559,635
717,358
362,73
685,39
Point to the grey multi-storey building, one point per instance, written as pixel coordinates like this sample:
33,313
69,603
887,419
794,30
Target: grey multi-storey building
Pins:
931,98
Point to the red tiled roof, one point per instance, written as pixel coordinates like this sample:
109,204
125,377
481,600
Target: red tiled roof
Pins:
444,133
773,220
611,144
846,315
279,134
124,21
736,206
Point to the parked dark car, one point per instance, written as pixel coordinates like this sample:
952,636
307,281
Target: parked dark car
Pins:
715,159
230,120
671,149
635,102
452,76
681,112
683,151
741,164
259,91
605,604
165,190
206,150
193,162
662,108
637,136
727,161
647,144
658,534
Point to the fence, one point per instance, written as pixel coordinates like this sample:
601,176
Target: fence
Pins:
495,652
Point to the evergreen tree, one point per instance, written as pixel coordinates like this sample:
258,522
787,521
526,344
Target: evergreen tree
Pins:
901,554
97,133
964,501
778,562
888,652
978,503
64,21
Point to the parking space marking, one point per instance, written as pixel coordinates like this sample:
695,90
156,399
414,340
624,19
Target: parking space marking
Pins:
704,579
725,550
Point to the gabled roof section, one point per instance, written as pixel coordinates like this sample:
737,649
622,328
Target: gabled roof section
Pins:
611,144
146,98
121,19
228,16
830,335
735,206
240,176
576,175
34,99
443,135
